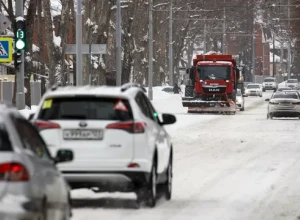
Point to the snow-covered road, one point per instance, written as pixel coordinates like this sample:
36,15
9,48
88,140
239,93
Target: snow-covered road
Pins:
240,167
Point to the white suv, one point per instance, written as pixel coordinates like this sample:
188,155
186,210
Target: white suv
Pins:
118,140
269,83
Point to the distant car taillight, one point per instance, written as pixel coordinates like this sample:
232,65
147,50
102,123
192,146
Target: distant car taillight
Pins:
274,103
129,126
13,172
296,103
43,125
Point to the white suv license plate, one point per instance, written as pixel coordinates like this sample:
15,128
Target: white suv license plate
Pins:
80,134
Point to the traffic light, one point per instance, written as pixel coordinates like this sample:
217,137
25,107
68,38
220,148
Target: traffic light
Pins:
17,59
20,35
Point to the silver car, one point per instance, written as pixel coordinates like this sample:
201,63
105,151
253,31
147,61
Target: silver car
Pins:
30,185
240,101
284,104
292,83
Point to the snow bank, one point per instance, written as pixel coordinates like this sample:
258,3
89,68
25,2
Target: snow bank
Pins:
283,84
26,112
166,102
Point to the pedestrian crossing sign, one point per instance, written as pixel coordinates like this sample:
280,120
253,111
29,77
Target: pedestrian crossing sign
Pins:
6,47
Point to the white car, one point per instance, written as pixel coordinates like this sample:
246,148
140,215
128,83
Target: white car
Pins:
31,187
269,83
292,83
253,89
240,101
118,139
284,104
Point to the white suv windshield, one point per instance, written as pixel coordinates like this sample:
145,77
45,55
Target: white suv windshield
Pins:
86,108
269,80
253,87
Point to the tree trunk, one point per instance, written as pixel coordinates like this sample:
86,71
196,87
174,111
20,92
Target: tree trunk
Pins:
28,53
41,46
63,32
49,41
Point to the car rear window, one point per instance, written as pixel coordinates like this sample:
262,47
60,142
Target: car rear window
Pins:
292,81
5,144
86,108
286,96
282,89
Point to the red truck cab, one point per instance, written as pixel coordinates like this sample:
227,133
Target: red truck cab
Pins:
214,75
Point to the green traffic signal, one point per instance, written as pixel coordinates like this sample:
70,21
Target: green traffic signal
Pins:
20,35
20,44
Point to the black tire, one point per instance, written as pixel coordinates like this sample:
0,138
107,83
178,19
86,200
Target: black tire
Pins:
68,211
148,194
43,213
242,109
189,91
167,186
264,90
152,188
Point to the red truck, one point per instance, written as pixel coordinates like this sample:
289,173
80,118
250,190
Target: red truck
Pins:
214,81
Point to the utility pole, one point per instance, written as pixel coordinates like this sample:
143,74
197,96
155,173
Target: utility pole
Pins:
281,57
79,44
171,69
150,62
263,59
289,42
274,62
20,95
253,54
204,36
90,52
224,31
118,45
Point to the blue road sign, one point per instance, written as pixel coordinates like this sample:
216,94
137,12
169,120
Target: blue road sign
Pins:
6,49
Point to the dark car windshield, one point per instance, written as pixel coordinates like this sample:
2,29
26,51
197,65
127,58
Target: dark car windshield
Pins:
168,89
86,108
285,96
269,80
253,87
214,72
292,81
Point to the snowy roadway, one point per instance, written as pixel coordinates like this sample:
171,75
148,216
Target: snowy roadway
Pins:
240,167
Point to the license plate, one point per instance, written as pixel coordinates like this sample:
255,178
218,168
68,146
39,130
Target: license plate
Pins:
80,134
285,103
